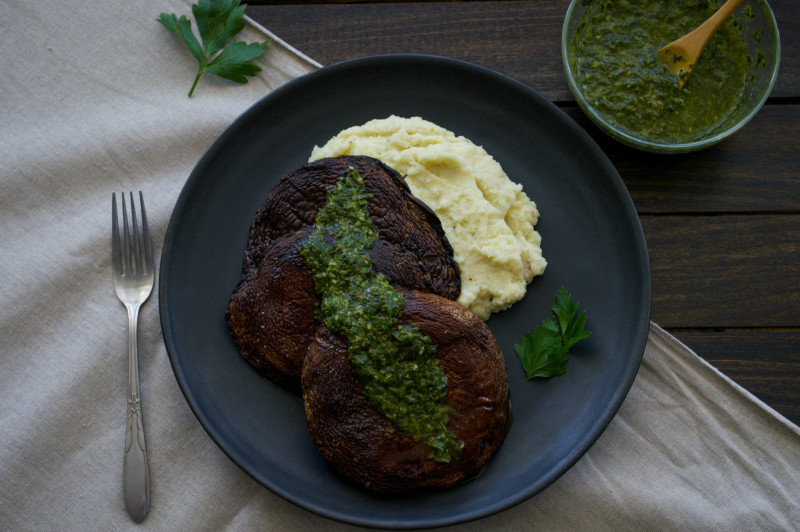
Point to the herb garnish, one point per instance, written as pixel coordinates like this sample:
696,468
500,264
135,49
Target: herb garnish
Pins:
218,21
544,353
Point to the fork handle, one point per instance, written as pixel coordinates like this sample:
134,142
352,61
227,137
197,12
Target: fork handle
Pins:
135,476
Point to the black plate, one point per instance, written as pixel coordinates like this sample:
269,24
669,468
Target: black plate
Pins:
591,236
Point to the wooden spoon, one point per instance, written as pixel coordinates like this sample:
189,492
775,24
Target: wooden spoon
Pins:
681,55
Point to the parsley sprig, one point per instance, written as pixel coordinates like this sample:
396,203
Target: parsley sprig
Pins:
544,353
218,21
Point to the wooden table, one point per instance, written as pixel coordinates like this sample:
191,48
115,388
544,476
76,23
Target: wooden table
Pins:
722,225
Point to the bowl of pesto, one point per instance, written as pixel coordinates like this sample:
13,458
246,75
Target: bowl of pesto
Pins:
608,48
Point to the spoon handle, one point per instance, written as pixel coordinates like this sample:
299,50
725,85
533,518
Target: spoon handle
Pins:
705,30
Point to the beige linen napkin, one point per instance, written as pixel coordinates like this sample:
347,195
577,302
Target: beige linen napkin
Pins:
93,99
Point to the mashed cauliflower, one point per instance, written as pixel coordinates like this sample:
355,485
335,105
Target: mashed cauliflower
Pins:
487,218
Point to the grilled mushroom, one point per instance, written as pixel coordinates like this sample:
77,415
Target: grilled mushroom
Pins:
363,446
271,311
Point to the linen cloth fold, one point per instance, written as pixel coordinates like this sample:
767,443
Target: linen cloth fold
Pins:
93,99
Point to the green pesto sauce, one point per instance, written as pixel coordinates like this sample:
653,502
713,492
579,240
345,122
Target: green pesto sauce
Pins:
614,58
396,363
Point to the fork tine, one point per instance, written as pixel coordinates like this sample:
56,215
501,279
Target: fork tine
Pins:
147,244
132,247
137,247
126,239
115,251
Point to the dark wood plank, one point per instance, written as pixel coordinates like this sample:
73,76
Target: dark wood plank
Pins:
519,38
766,363
787,15
756,170
725,271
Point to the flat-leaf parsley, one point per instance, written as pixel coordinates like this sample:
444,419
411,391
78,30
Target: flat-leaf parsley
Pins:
544,353
218,21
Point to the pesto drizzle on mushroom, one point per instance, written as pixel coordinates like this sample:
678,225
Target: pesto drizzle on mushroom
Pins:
396,363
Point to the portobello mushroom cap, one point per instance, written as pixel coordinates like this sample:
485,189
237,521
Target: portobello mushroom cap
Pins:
366,448
271,310
399,216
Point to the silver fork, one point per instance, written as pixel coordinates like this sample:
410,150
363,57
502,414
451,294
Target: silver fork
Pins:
133,281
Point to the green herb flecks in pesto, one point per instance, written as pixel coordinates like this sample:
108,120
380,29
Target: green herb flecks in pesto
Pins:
396,363
614,58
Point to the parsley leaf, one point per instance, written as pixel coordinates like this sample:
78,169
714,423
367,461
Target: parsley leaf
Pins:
544,353
218,21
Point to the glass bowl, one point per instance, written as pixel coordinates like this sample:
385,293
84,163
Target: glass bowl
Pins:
760,34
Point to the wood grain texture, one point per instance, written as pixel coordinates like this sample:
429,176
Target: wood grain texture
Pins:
519,38
756,170
722,224
724,271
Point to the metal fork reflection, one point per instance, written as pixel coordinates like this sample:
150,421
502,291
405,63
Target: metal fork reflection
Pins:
134,273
